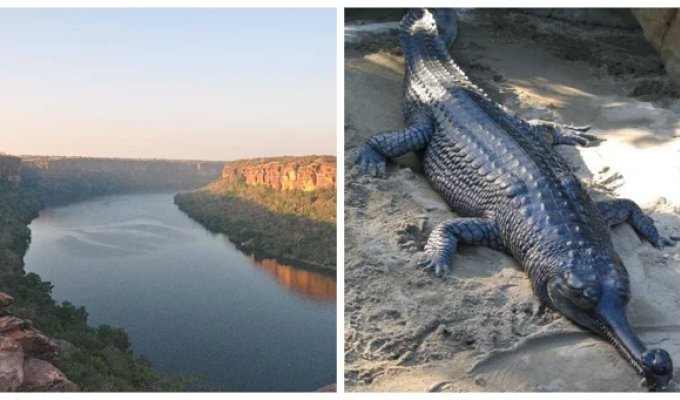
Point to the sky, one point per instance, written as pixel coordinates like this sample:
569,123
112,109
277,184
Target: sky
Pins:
209,84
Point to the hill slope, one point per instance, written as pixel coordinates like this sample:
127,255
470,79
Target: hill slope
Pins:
283,208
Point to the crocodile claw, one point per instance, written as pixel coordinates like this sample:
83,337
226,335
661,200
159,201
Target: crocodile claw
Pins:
574,135
583,128
663,241
430,264
370,161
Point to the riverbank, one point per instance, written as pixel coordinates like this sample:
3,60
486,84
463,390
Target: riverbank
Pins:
273,209
255,229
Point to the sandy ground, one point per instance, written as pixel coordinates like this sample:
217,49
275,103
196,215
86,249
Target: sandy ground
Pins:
481,328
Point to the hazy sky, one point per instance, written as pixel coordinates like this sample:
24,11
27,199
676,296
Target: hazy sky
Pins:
168,83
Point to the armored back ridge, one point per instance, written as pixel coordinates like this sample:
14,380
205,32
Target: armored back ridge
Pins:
514,192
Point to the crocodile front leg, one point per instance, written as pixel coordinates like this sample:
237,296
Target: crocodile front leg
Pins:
442,243
371,155
623,210
555,133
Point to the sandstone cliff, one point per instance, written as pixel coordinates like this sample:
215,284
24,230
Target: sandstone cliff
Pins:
26,355
10,169
285,173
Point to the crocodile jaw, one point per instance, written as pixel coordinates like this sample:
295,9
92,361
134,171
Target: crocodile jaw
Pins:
655,365
608,318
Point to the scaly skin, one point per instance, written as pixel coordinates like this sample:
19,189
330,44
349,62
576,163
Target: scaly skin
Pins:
516,193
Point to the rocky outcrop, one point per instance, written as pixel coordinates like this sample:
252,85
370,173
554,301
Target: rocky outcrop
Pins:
25,357
41,376
285,173
6,300
662,30
10,169
11,364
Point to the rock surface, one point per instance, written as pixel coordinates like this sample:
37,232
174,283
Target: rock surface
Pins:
41,376
9,323
24,355
662,29
609,17
11,364
285,173
34,342
6,300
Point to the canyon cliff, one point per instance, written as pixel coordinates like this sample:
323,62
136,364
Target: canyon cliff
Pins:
283,208
285,173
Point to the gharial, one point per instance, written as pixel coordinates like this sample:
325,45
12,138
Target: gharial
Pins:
516,193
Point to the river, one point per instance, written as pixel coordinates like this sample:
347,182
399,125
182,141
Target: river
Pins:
189,300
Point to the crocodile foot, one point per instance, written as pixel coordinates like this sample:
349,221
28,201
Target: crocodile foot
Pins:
370,160
645,227
556,133
664,241
573,135
434,263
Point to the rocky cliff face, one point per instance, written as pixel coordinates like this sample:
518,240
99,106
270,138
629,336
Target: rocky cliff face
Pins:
662,30
26,357
285,173
10,169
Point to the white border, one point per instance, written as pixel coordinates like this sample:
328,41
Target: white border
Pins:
340,197
340,143
339,4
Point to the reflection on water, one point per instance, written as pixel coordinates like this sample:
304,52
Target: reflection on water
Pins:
311,284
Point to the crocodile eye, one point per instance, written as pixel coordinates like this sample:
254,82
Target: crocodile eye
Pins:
573,281
583,291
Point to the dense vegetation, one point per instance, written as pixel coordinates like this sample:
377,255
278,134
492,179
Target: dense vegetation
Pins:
18,207
103,359
292,226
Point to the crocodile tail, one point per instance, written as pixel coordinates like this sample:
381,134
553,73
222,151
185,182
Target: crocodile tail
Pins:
440,22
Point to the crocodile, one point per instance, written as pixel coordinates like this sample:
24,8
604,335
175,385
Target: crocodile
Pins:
514,192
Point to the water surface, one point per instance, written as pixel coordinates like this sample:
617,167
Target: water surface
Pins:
188,299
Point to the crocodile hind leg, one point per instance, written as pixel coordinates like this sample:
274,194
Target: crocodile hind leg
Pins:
623,210
442,243
371,155
555,133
